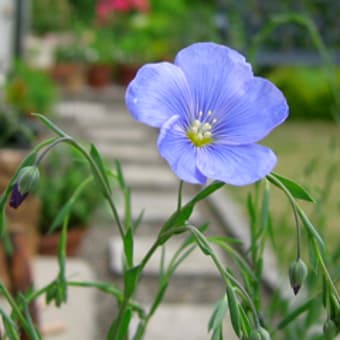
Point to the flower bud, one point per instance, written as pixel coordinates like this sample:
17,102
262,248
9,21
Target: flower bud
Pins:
297,274
329,329
27,181
259,334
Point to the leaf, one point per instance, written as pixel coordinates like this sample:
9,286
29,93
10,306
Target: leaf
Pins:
97,158
310,228
120,176
179,218
218,314
234,310
294,188
67,207
128,247
201,240
130,280
295,313
50,125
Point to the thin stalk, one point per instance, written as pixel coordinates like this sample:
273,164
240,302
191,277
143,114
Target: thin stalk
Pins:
18,313
179,197
49,147
229,278
106,190
325,270
295,212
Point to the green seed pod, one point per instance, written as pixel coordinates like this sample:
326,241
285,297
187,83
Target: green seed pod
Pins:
297,274
329,329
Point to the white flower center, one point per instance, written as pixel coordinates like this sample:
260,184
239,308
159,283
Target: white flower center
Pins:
200,131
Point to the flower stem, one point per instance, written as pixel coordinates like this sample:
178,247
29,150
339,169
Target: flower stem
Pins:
179,197
325,270
49,148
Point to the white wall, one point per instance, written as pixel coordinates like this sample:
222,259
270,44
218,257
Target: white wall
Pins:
7,18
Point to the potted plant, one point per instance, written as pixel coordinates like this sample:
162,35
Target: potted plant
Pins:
69,69
30,90
62,176
101,56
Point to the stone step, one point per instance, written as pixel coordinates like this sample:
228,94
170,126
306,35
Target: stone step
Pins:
150,177
136,153
182,321
123,135
157,206
196,264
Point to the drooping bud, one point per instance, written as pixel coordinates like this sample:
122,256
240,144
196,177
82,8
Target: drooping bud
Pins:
259,334
329,329
297,274
27,181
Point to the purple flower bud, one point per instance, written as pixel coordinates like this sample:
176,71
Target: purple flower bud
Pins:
17,197
27,181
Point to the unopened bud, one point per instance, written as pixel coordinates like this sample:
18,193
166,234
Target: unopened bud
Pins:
259,334
297,274
329,329
27,181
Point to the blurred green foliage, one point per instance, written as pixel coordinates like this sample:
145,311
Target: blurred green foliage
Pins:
30,90
61,176
307,91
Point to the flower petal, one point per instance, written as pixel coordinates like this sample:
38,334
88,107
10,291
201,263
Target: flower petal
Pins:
214,73
252,116
158,92
179,152
236,165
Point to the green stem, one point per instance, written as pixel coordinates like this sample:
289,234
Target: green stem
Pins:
98,175
49,147
325,270
229,278
179,197
17,312
295,211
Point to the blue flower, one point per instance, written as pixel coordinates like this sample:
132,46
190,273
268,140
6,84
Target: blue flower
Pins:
211,111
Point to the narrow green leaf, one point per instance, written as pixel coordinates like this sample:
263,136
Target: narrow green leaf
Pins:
127,209
50,125
245,322
234,310
130,280
67,207
201,240
97,158
295,313
10,326
120,176
218,314
179,218
294,188
128,247
310,228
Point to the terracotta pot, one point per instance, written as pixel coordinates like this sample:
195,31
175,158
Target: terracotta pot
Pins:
99,75
127,72
48,244
24,220
72,76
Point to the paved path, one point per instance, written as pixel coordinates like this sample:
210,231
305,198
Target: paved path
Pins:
103,120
